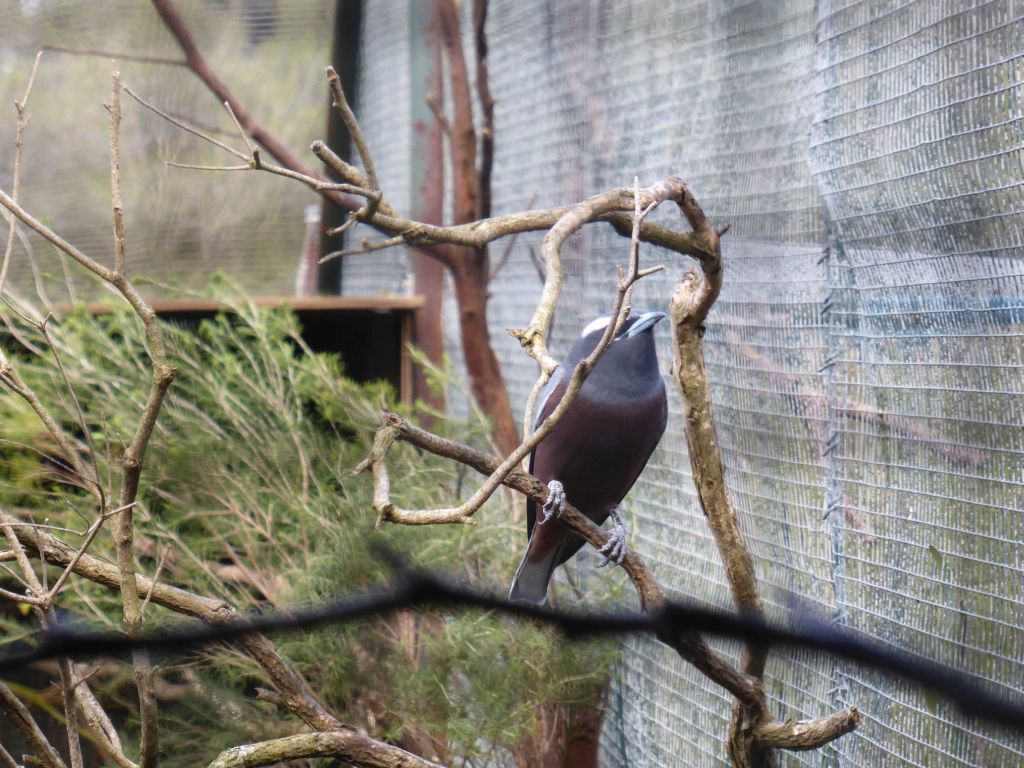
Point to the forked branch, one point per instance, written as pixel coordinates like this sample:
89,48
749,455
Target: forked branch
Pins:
754,732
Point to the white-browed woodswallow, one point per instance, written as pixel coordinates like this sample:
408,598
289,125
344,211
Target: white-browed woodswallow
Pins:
596,452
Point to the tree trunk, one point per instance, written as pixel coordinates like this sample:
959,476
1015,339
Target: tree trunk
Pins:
470,274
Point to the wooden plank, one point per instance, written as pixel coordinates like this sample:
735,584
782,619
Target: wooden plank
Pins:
381,303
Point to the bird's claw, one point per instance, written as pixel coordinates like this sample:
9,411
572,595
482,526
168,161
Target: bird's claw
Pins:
555,504
615,548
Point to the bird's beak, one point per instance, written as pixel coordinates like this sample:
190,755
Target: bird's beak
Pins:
647,320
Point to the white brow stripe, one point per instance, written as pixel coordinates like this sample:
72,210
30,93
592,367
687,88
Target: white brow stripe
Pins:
596,325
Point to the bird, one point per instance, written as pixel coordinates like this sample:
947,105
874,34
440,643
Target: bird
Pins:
596,452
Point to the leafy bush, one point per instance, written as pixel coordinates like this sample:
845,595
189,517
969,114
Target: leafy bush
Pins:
249,496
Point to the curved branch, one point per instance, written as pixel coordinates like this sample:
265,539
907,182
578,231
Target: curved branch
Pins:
350,746
691,303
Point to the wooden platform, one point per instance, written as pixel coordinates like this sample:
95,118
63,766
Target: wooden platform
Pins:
372,333
381,303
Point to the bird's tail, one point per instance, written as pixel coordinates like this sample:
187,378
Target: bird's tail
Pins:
531,580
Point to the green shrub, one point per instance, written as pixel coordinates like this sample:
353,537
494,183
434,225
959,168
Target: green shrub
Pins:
248,495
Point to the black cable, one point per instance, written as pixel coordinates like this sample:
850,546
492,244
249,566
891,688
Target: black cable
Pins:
422,591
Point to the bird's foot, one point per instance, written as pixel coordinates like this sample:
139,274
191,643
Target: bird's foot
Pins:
555,504
615,547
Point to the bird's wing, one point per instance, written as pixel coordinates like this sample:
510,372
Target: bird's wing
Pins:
546,404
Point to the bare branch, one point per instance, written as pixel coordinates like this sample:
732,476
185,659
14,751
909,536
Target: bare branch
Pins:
807,734
197,63
486,108
20,717
116,55
253,151
100,725
350,746
156,579
185,126
254,163
115,172
6,759
534,337
366,247
464,512
134,455
690,304
192,167
349,118
70,714
688,645
19,140
93,266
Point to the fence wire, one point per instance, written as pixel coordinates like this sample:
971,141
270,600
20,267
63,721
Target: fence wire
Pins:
182,225
867,351
865,355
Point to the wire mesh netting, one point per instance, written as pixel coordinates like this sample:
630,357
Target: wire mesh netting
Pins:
867,351
182,225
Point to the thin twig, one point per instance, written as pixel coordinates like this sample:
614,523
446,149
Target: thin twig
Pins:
89,537
192,167
427,237
509,246
254,152
175,24
349,118
439,115
70,713
341,229
185,126
115,173
116,55
19,140
19,716
366,247
156,579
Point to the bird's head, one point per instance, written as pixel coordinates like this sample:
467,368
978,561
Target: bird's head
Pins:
635,324
634,338
629,367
